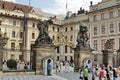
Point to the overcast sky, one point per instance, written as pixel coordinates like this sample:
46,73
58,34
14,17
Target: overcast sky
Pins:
57,6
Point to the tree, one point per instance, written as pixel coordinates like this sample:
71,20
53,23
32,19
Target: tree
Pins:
11,64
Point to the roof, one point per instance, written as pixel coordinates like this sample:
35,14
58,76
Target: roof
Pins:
40,12
14,6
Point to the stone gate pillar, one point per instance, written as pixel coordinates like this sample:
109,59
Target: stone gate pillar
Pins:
82,51
39,54
80,56
108,57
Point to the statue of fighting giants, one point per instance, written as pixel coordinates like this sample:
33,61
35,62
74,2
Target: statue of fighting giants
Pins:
43,37
82,38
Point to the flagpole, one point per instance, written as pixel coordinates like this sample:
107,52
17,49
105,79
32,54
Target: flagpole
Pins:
29,3
24,38
66,6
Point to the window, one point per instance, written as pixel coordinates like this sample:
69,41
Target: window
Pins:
65,37
58,29
113,43
13,34
95,30
103,16
33,25
71,58
14,23
65,58
21,34
71,38
53,37
57,58
119,26
119,43
71,28
103,29
95,45
58,49
65,29
71,50
13,46
94,17
111,28
22,23
111,14
53,28
58,38
0,22
102,44
33,35
20,46
95,57
118,12
65,48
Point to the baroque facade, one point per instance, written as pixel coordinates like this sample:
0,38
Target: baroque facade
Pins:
103,21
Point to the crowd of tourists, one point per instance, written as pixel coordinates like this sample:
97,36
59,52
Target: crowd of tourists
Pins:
99,72
64,66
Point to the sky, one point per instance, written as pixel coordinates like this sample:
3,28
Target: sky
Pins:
57,6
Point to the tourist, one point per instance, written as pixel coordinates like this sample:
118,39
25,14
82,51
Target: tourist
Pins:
81,74
102,74
57,66
49,68
96,74
118,72
61,67
110,73
114,74
90,69
107,73
86,73
67,66
25,67
28,65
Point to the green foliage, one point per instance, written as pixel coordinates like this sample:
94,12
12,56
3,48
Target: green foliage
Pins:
11,64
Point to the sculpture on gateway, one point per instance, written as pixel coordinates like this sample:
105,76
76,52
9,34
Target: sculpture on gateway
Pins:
43,37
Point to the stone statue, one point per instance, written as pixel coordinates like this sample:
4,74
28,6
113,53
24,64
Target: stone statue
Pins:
43,37
82,38
108,44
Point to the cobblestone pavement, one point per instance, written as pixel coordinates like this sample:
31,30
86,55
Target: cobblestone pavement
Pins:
30,77
70,75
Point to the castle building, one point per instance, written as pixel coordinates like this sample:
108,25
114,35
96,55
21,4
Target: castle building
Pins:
20,23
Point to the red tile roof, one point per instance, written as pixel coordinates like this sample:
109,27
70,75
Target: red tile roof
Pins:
14,6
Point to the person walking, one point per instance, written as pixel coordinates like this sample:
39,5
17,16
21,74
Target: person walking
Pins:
81,74
102,74
86,73
96,74
114,74
118,72
110,73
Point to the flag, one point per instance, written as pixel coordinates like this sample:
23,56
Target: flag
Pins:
24,23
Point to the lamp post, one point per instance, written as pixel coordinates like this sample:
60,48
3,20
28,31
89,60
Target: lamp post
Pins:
3,42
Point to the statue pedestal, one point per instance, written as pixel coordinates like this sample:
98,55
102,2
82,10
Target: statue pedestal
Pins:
79,57
108,58
40,58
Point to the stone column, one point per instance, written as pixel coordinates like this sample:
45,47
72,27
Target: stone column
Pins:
108,57
40,53
80,56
